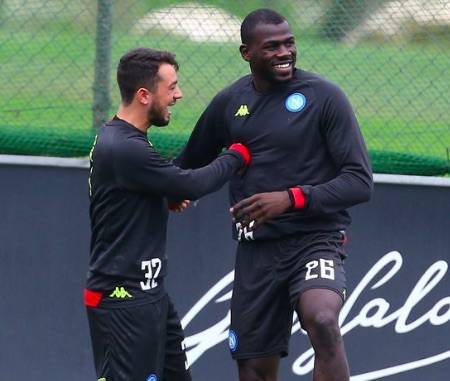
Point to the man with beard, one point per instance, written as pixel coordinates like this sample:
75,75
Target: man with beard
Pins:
135,330
309,165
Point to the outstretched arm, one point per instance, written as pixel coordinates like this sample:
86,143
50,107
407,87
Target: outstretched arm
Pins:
140,168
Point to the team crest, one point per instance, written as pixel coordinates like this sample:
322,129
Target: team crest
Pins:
232,340
152,377
295,102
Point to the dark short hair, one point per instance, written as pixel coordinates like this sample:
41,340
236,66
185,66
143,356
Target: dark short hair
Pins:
139,68
259,16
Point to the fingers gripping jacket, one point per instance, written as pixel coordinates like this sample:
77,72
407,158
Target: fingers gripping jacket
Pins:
243,151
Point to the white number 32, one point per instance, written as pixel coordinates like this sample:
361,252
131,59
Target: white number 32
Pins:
152,269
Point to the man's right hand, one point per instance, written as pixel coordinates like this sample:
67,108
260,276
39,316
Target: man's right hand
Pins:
259,208
255,210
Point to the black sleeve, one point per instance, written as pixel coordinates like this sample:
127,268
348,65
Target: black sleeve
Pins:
140,168
346,146
208,138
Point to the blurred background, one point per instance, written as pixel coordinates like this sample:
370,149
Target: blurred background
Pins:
58,61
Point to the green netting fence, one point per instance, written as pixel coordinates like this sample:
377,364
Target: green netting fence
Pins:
392,58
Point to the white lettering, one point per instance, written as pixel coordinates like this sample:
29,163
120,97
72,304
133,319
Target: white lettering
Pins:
200,342
425,285
375,313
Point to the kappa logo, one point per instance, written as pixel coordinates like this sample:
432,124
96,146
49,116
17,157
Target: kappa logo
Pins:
120,293
242,111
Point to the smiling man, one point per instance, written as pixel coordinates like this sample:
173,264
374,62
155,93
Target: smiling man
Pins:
135,330
309,165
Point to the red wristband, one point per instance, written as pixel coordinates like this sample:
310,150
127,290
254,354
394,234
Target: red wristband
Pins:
243,151
297,197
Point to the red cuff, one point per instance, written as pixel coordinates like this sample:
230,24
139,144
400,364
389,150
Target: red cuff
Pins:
243,151
92,298
298,198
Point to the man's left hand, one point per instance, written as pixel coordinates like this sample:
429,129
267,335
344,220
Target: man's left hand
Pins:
260,208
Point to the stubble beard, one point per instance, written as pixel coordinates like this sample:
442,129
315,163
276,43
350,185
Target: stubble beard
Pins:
156,116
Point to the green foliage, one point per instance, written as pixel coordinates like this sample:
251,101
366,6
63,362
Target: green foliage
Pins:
399,90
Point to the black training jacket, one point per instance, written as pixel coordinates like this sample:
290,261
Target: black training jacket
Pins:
129,186
303,133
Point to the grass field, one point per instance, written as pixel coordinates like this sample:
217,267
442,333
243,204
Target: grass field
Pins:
400,92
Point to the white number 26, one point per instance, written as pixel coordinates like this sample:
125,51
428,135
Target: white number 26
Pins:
323,268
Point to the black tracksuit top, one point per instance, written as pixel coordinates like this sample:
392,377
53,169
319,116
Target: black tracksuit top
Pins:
303,133
129,186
